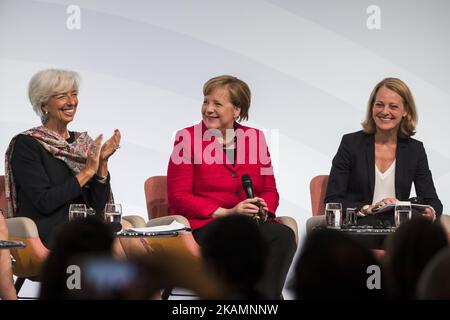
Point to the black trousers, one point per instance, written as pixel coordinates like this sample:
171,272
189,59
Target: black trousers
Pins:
282,247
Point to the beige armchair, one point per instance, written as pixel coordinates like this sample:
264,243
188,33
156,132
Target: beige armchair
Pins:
159,213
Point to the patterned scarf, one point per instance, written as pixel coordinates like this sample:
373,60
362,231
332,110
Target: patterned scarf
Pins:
73,154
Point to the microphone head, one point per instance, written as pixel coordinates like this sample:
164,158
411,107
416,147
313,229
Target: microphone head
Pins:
246,180
247,185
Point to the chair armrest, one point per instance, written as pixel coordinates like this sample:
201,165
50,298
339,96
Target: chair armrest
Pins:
29,260
315,221
21,227
168,220
291,223
445,222
135,221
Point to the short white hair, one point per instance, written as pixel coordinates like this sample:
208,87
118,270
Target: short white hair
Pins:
49,82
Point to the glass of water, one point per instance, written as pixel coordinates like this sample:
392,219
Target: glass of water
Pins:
113,214
351,215
402,213
77,211
333,214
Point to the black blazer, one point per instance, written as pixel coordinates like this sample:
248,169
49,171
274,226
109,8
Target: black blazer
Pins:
352,176
45,187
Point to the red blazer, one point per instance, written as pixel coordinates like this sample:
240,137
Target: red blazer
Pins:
196,186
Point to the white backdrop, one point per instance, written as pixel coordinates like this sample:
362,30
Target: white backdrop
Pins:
311,66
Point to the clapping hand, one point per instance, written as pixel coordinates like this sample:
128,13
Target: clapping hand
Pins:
93,158
110,146
97,158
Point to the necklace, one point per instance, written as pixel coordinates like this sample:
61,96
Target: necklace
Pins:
230,143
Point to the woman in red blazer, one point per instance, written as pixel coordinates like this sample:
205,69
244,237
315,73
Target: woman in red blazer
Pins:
206,167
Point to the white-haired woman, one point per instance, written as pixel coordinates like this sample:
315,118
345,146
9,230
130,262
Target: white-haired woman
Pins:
49,167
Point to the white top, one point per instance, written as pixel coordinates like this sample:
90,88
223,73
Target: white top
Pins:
384,184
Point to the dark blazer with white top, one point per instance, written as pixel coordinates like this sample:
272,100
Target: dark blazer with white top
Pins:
352,176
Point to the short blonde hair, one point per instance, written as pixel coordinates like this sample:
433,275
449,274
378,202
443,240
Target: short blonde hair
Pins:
240,95
409,122
49,82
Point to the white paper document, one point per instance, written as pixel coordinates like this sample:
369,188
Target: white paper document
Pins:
391,206
174,226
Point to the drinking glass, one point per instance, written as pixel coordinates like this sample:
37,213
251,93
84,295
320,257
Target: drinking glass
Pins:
351,215
77,211
333,213
402,212
113,214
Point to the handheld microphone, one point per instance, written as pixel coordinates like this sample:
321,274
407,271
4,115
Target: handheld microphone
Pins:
247,185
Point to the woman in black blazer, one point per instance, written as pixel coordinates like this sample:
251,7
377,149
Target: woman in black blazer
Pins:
384,148
49,167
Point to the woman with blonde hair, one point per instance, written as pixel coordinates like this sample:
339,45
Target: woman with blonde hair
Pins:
378,165
209,172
